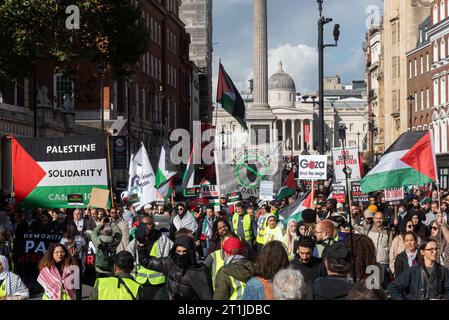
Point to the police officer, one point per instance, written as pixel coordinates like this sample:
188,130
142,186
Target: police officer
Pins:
122,285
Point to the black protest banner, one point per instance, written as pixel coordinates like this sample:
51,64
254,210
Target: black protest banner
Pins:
30,247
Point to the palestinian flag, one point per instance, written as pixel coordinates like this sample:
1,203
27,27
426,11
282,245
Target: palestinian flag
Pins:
294,209
409,161
46,170
230,99
189,174
162,173
166,191
289,187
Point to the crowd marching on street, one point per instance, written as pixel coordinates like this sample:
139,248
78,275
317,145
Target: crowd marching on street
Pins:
245,251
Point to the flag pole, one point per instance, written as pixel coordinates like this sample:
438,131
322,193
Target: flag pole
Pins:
109,167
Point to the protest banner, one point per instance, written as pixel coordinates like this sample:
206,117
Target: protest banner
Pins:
46,170
356,193
266,190
352,162
312,167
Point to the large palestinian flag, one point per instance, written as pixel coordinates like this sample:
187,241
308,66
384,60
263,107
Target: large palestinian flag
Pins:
229,98
46,170
409,161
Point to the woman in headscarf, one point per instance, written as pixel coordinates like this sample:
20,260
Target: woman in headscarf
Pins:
274,230
290,238
11,286
58,271
419,228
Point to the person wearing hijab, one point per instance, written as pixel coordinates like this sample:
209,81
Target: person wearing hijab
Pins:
186,279
290,237
419,227
11,286
274,230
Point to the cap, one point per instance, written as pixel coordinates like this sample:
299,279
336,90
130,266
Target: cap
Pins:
372,208
233,246
368,214
124,260
340,205
148,206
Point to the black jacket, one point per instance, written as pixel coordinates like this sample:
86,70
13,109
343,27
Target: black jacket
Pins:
401,263
331,288
194,283
311,271
409,285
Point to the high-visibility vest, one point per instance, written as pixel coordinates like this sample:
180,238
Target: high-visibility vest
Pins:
3,289
246,225
154,277
112,288
218,262
261,230
238,288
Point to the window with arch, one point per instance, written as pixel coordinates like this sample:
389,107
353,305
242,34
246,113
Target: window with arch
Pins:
435,13
435,51
291,97
442,10
443,90
443,49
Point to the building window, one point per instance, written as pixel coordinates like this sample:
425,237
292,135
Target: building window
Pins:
428,98
144,104
393,32
416,69
410,71
416,101
63,92
443,90
422,99
435,93
427,63
435,52
394,67
421,64
443,49
435,14
442,10
395,101
351,127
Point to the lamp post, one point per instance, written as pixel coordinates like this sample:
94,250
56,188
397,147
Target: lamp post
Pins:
410,100
321,46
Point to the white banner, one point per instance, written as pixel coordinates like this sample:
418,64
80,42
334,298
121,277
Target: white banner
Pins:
312,167
266,190
352,162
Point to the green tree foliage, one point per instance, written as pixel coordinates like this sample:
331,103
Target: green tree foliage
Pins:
111,36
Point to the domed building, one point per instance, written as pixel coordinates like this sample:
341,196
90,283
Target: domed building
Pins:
281,89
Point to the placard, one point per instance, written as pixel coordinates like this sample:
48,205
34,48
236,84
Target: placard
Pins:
75,200
266,190
99,198
352,163
312,167
338,193
210,191
394,194
356,193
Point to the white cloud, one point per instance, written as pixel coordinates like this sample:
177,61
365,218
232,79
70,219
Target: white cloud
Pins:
300,62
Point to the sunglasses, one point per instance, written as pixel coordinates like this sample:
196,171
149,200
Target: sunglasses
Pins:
180,209
434,228
409,226
432,249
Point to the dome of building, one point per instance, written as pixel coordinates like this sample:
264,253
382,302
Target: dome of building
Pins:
281,80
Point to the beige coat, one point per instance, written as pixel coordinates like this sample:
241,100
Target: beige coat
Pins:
397,246
123,226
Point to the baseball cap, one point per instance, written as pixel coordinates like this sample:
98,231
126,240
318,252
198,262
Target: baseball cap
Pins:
233,246
148,206
339,205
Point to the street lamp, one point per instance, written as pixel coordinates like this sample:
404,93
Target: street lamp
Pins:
321,46
410,100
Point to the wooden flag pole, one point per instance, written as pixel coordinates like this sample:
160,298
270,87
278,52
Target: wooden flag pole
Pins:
109,167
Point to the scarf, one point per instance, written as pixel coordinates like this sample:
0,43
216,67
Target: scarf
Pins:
233,259
5,264
411,256
50,279
206,232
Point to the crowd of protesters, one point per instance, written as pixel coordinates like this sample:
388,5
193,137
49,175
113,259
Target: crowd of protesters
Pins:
244,251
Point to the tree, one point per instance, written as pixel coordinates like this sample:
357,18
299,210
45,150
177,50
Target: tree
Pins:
111,36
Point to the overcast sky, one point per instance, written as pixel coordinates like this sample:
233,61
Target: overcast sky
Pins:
292,38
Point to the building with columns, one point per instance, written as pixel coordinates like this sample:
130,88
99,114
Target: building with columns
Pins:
296,123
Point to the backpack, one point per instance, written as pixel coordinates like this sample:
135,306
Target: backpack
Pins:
105,256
